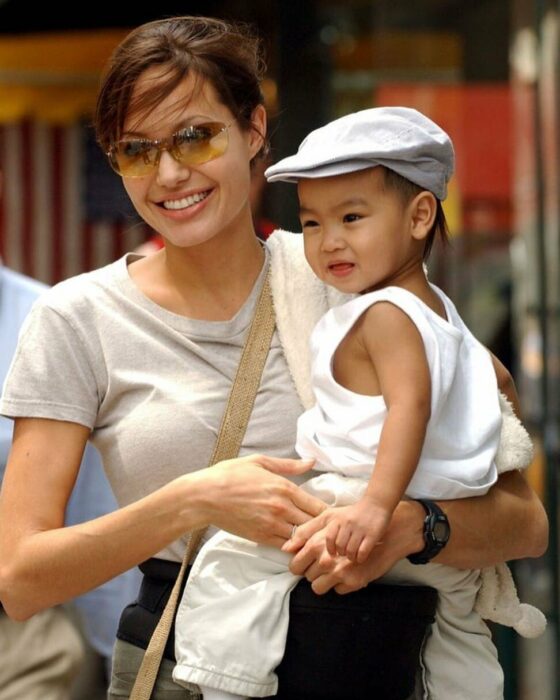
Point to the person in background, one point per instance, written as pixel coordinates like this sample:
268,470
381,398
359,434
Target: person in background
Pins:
43,657
40,658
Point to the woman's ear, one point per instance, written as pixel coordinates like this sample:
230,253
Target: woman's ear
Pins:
257,134
423,214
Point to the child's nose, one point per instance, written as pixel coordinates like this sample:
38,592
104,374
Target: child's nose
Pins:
332,240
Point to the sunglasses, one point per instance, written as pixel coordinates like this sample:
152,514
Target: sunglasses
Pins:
193,145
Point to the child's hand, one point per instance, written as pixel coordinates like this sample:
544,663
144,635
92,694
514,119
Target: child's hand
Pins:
352,531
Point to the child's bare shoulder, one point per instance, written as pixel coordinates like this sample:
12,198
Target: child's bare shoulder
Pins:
386,328
384,315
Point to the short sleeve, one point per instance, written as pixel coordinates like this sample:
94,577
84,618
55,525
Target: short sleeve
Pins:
51,375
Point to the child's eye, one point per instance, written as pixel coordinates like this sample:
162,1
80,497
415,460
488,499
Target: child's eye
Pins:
308,223
349,218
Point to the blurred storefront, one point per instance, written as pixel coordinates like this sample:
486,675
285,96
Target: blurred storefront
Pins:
486,70
536,283
62,211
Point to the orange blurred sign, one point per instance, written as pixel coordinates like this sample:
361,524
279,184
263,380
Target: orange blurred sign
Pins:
478,119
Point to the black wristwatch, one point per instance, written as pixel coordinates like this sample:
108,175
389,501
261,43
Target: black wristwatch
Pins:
436,533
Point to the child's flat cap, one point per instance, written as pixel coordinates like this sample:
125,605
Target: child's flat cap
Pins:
398,138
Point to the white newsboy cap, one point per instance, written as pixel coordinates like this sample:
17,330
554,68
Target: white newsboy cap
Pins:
399,138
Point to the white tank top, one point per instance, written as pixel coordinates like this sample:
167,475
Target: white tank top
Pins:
342,430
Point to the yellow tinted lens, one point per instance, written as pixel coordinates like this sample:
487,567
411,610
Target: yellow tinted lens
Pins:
200,143
192,145
133,158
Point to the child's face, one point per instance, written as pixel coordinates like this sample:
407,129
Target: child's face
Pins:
358,235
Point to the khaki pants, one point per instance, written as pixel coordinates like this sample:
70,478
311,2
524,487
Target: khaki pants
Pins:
126,662
40,657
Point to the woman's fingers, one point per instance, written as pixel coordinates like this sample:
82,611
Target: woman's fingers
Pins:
279,465
312,558
300,511
302,560
277,542
306,506
343,576
326,582
303,533
323,564
323,584
259,502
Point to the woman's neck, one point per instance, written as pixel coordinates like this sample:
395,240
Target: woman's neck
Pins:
208,282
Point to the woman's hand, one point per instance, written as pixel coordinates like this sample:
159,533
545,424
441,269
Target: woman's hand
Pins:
351,531
325,571
250,497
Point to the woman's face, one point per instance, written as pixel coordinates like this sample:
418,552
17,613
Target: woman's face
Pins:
192,204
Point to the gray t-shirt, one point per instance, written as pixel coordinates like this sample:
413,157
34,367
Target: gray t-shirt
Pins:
150,384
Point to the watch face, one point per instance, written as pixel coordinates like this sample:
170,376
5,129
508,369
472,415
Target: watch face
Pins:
441,531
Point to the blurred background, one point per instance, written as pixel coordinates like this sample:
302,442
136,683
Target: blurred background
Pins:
486,70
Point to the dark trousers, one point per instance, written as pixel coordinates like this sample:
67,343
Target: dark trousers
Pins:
361,646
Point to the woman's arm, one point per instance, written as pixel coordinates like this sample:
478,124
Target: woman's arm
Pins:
43,563
509,522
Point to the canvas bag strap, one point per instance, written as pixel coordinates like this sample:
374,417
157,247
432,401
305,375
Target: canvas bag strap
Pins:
234,424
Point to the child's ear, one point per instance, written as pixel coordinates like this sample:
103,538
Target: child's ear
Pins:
423,214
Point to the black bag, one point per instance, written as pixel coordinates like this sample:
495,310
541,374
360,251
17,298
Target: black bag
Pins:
360,646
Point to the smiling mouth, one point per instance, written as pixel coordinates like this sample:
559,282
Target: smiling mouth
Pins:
185,202
341,267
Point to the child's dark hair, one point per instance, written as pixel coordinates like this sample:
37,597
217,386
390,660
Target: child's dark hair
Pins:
408,190
226,54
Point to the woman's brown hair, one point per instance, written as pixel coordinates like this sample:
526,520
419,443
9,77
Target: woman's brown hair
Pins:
227,55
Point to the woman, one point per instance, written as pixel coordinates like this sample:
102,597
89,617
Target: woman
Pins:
141,355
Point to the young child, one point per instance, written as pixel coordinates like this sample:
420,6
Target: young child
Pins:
407,403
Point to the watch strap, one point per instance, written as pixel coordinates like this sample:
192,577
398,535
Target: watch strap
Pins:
436,533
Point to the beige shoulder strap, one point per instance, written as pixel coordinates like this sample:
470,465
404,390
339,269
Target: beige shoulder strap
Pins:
233,427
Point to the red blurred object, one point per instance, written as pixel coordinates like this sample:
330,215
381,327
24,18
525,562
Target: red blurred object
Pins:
479,120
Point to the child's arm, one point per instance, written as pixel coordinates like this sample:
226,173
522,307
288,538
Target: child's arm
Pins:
387,338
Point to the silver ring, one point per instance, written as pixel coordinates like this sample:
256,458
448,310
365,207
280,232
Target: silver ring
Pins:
294,528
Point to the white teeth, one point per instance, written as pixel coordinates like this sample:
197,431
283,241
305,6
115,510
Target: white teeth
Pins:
186,201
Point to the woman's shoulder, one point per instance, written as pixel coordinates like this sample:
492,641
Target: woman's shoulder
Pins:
73,295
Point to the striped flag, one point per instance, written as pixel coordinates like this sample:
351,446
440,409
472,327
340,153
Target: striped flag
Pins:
63,211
